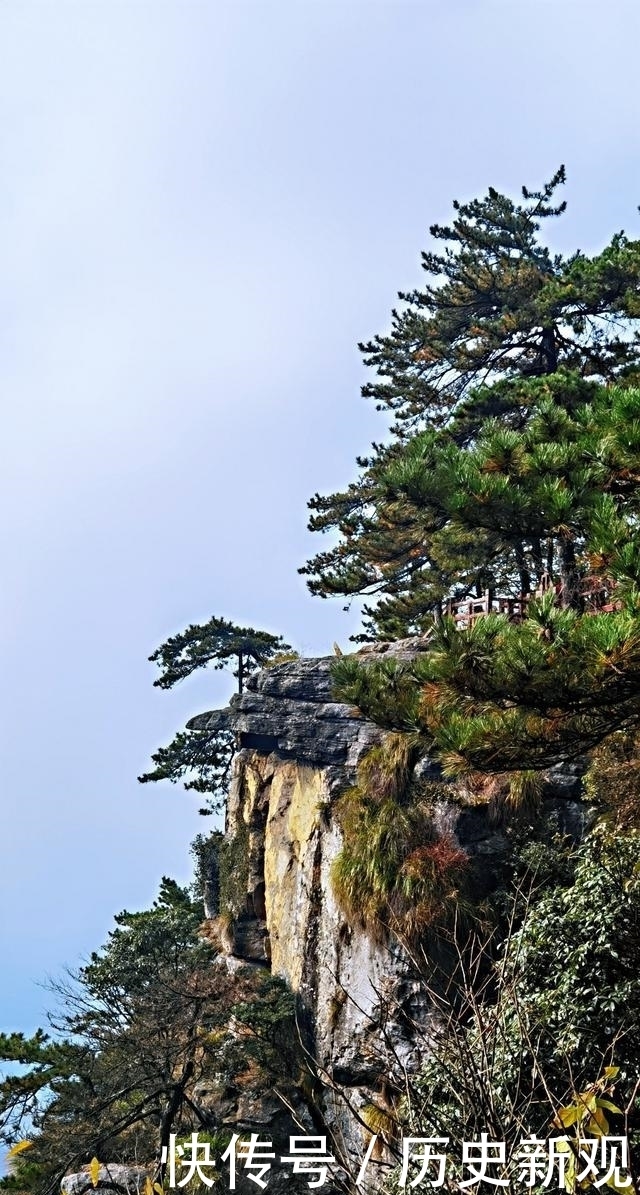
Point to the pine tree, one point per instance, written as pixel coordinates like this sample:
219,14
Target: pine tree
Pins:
115,1074
201,758
502,695
217,643
498,311
143,1022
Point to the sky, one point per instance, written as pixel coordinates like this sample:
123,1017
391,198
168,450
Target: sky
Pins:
203,208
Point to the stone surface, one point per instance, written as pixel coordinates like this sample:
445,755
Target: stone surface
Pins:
289,710
361,1002
127,1179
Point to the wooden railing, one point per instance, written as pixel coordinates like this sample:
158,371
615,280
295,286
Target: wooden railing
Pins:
597,595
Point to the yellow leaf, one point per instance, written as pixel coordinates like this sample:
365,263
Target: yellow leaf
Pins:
598,1123
568,1115
619,1185
570,1174
612,1107
148,1186
94,1171
611,1072
18,1148
158,1189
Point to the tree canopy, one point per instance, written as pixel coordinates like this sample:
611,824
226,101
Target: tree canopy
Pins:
141,1024
217,643
201,758
512,476
553,683
460,365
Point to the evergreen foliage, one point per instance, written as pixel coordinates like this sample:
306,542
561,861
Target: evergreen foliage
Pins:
514,470
115,1075
216,644
143,1022
233,866
201,758
499,312
503,694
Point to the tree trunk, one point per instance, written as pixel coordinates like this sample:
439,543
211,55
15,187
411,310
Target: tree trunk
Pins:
551,551
548,350
172,1108
523,571
536,553
571,596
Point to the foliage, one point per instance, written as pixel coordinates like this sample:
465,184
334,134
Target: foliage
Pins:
233,863
201,756
511,695
513,473
576,960
204,851
394,873
501,697
222,871
201,759
217,643
143,1022
500,322
268,1011
612,781
535,1025
114,1070
586,1118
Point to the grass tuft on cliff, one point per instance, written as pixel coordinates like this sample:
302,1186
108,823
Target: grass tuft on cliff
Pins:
394,872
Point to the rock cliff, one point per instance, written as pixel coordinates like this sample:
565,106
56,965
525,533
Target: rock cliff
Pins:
363,1010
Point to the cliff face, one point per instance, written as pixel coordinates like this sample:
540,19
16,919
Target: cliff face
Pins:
360,999
298,750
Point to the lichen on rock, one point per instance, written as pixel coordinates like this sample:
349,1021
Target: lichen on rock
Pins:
362,1011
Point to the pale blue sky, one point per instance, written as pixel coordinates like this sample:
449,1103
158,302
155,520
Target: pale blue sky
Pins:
203,207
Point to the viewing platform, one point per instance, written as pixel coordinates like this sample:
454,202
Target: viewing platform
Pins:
597,595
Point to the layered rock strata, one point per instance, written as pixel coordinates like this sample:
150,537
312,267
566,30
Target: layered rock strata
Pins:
364,1009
